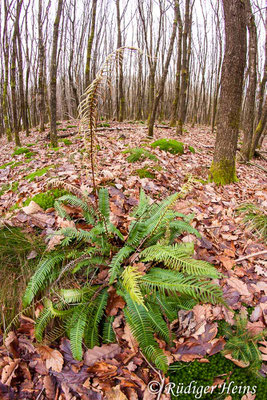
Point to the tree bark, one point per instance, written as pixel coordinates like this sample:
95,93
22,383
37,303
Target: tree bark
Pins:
41,50
251,91
223,169
53,77
152,118
120,94
90,44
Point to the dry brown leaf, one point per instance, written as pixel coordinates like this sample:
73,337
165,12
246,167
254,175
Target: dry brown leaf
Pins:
53,358
248,396
105,352
240,364
8,372
128,336
115,394
239,285
49,387
103,369
32,208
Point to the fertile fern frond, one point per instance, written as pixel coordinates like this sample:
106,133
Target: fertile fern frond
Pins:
117,260
175,282
108,332
177,257
140,324
130,280
91,336
40,278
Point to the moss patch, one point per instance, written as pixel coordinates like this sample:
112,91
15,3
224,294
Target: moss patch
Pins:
67,142
181,374
172,146
223,173
144,173
139,154
47,199
39,172
20,150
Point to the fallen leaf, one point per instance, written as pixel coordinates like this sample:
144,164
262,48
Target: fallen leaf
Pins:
32,208
8,372
105,352
53,358
115,394
239,285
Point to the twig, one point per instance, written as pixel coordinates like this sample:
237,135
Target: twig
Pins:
162,379
251,255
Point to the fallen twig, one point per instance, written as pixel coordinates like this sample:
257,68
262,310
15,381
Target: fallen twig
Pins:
259,253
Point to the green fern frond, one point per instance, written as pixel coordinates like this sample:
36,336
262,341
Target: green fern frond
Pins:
178,226
91,336
77,295
177,257
255,218
41,323
75,201
108,332
77,329
142,206
176,282
131,279
60,210
103,203
117,260
140,324
159,324
40,279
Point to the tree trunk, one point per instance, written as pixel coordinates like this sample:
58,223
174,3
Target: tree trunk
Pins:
223,170
120,94
5,84
53,78
152,118
251,91
184,78
41,53
90,45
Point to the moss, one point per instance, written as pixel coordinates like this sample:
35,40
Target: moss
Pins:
71,126
204,373
104,125
30,154
47,199
9,186
172,146
144,173
20,150
30,144
67,142
223,173
6,164
190,148
39,172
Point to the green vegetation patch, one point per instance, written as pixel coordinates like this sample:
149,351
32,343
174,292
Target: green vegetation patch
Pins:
39,172
46,199
254,218
104,125
67,142
203,375
139,154
192,149
170,145
6,164
144,173
9,186
20,150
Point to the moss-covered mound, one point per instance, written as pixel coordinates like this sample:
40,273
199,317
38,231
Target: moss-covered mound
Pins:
236,381
171,145
46,199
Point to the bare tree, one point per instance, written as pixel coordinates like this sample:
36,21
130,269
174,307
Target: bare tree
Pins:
90,44
223,170
53,77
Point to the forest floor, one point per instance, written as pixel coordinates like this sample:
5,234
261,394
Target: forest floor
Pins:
115,371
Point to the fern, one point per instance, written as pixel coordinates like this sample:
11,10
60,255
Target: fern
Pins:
117,260
91,332
108,332
130,280
77,329
177,257
175,282
255,219
103,203
41,277
140,323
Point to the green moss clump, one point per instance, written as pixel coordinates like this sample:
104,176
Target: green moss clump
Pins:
6,164
104,125
9,186
30,154
144,173
20,150
30,144
190,148
139,154
172,146
223,172
71,126
67,142
204,374
47,199
39,172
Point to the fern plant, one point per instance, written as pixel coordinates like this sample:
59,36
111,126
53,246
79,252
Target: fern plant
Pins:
242,344
255,219
138,154
154,274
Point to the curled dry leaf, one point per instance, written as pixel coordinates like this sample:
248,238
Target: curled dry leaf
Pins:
8,372
240,364
115,394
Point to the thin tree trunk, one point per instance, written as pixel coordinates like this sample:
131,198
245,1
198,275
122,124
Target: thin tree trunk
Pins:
90,44
53,77
251,91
